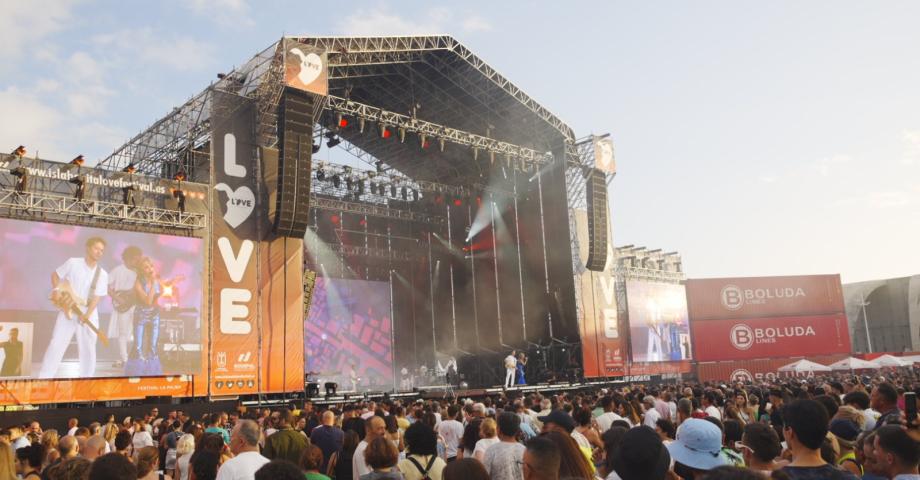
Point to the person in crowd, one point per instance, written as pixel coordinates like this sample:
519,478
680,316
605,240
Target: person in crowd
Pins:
626,411
584,425
339,465
777,400
279,470
451,432
502,460
286,443
711,406
697,449
50,441
76,468
605,419
866,456
30,460
572,465
215,426
205,463
69,447
122,444
111,466
641,456
72,424
244,444
141,437
684,410
311,461
148,460
328,437
542,460
375,427
666,430
884,399
651,414
185,447
422,459
896,453
760,447
488,434
860,401
805,424
612,438
845,432
559,421
7,461
732,431
465,469
169,442
393,433
381,456
94,447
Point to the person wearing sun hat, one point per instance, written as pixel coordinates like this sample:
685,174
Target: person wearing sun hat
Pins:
698,448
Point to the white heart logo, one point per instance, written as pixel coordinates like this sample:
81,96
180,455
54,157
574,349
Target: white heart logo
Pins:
239,203
311,66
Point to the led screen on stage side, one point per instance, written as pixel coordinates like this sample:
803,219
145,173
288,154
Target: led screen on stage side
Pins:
147,309
658,322
347,336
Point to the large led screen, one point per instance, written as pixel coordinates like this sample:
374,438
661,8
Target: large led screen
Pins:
80,302
347,335
658,322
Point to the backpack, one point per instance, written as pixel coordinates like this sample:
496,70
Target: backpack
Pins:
427,469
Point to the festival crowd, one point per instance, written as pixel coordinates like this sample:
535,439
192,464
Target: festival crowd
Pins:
835,427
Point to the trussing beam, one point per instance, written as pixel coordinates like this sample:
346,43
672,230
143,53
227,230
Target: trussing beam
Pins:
434,131
373,210
95,210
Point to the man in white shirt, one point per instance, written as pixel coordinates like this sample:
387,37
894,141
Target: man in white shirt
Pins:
244,443
652,415
375,427
510,367
121,289
709,405
79,272
452,432
606,419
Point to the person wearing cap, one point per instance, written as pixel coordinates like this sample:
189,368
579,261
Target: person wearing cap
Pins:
805,427
846,431
697,449
641,456
559,421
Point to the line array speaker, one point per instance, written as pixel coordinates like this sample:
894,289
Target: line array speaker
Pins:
296,116
596,196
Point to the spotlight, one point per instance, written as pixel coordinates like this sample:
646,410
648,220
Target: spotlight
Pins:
360,187
384,131
341,121
405,193
78,161
179,176
349,183
361,123
179,195
402,135
331,388
129,169
333,141
393,191
19,151
374,188
316,147
423,140
320,175
22,176
415,194
475,154
80,182
312,390
491,157
379,165
441,144
336,180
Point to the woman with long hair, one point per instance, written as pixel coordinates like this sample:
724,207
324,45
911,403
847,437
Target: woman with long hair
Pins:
745,413
185,447
7,461
109,432
141,437
574,465
50,439
339,467
584,424
147,291
612,439
627,411
148,459
30,461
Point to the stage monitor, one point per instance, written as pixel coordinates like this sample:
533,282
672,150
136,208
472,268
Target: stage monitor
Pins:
347,335
658,322
147,314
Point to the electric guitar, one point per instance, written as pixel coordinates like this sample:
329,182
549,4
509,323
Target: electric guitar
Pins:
64,298
123,300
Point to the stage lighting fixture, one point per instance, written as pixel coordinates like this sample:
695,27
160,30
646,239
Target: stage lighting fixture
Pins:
316,147
374,188
441,144
402,135
393,191
336,180
179,195
475,154
415,194
349,183
422,140
22,178
78,161
331,388
405,193
19,151
179,176
130,168
361,123
312,390
360,188
80,182
333,141
341,121
384,131
379,165
491,157
320,175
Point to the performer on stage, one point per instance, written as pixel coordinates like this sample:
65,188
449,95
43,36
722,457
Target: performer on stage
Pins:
86,278
121,289
12,358
510,368
521,363
653,348
147,316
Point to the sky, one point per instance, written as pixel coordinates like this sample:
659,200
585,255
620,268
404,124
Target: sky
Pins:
755,138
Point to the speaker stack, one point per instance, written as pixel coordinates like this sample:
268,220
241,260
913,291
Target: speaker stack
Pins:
296,117
596,196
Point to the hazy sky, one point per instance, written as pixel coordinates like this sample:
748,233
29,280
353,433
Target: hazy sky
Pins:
756,138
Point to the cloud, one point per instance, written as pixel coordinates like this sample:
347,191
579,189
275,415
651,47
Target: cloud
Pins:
87,91
147,47
768,179
827,165
911,139
889,199
224,12
382,21
24,24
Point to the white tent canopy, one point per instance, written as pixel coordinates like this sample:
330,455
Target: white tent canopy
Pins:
890,361
853,363
804,366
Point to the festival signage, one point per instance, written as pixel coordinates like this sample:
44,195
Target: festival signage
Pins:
604,159
305,67
736,339
723,298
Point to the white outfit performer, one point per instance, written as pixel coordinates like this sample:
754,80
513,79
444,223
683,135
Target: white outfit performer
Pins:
80,276
122,324
510,366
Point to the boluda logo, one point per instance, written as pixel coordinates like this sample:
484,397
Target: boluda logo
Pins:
742,375
734,297
744,337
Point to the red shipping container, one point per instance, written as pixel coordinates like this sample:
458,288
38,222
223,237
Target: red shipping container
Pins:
755,371
719,340
722,298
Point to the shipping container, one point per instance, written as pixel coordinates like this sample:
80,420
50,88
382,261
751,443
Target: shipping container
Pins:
757,370
738,339
753,297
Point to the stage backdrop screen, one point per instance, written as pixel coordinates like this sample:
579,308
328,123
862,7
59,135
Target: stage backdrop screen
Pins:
658,322
159,334
347,335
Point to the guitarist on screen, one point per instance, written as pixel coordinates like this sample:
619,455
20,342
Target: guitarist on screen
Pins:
121,289
79,280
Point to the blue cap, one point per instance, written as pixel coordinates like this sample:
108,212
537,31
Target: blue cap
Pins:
698,445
